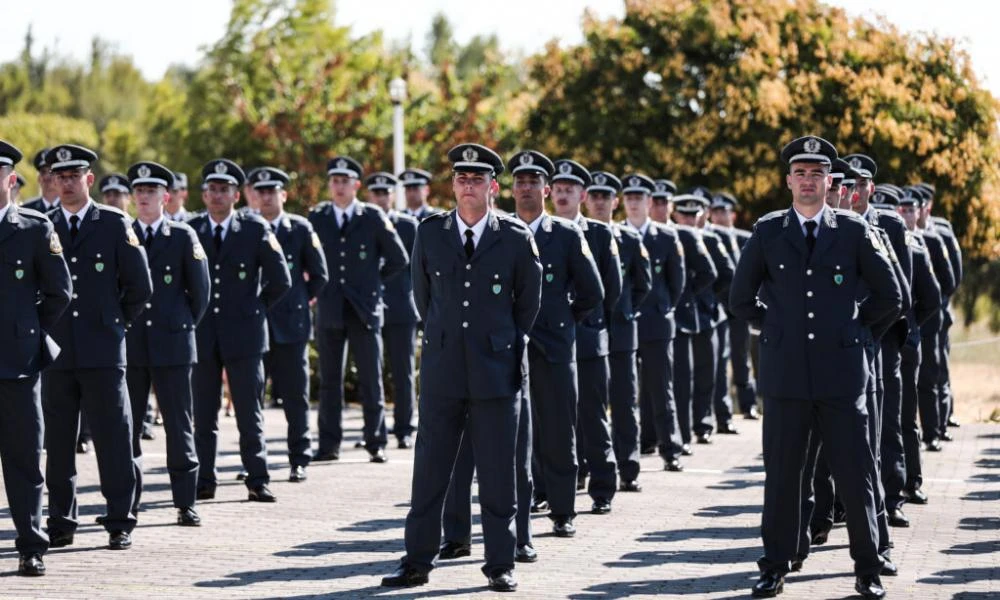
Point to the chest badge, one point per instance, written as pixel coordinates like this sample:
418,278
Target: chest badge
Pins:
496,288
243,275
658,268
838,279
362,255
168,278
549,277
19,273
99,267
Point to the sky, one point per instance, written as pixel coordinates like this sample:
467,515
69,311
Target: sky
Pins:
163,33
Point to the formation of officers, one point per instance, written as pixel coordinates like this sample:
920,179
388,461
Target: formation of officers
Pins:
555,349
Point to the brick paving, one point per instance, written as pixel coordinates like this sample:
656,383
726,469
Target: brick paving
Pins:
692,534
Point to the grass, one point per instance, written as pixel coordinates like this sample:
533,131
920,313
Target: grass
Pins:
975,372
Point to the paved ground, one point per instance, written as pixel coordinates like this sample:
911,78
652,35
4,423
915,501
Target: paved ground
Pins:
692,534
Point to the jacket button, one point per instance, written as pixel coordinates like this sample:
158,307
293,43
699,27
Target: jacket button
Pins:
148,305
468,267
811,315
465,303
72,259
74,295
809,294
342,267
467,284
216,280
809,271
215,310
465,324
812,336
341,280
149,323
76,314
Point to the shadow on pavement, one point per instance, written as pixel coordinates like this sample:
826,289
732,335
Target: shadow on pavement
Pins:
729,511
983,496
728,533
375,525
960,576
336,547
652,558
984,547
732,582
736,484
980,523
377,590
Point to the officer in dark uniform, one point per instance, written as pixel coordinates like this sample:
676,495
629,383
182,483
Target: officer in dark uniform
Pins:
161,345
623,335
174,209
37,290
400,328
15,192
798,280
656,313
47,184
417,188
595,451
289,321
116,191
477,283
249,276
111,285
363,251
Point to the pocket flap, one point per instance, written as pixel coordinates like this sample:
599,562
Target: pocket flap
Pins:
502,340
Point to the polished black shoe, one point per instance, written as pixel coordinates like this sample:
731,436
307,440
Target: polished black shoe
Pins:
629,485
502,580
100,519
31,565
242,475
769,585
187,517
947,437
728,428
889,568
686,450
525,553
601,506
148,435
119,540
377,456
297,474
206,493
581,483
934,446
404,443
261,494
953,423
820,536
539,505
869,586
704,438
359,444
563,527
896,518
751,415
82,447
60,539
839,514
405,576
327,455
673,465
796,565
917,497
647,450
453,550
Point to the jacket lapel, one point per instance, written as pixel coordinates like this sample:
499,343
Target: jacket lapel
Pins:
231,237
827,233
491,235
543,235
9,223
793,232
451,235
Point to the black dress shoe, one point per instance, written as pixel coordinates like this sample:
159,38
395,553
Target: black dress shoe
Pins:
947,437
60,539
82,447
769,585
297,474
31,565
148,435
889,568
869,586
206,493
896,518
405,576
242,475
119,540
934,446
629,485
563,527
686,450
705,438
601,506
673,465
404,443
539,505
953,423
525,553
100,519
377,456
327,455
839,514
453,550
820,536
261,494
187,517
647,450
581,483
917,497
502,580
728,428
358,445
796,565
752,414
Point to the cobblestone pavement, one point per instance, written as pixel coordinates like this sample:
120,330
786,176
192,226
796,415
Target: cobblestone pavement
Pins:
692,534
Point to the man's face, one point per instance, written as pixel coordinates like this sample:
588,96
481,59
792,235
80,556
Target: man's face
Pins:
723,217
691,220
381,199
637,207
119,200
808,182
271,200
832,195
47,183
416,195
253,202
8,180
74,186
176,199
149,200
864,189
601,205
566,198
530,191
220,198
660,209
909,214
923,215
473,191
342,188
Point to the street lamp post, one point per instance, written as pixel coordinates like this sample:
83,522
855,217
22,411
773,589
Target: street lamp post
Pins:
397,94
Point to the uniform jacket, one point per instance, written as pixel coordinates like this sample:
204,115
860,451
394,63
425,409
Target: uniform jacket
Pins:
813,334
111,285
289,320
637,280
700,276
711,302
477,311
666,259
360,259
397,293
165,334
940,260
947,233
35,289
925,315
592,333
249,276
37,204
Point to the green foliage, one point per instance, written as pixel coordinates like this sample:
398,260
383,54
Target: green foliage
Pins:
32,132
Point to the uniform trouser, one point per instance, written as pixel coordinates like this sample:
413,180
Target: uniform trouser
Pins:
103,397
810,522
21,431
554,412
246,386
927,391
366,347
893,459
593,427
457,520
173,395
874,406
656,378
722,402
290,374
624,425
824,494
684,383
842,424
492,427
945,400
694,381
399,344
647,427
743,380
909,368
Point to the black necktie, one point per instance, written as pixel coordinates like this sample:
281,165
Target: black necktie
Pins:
149,236
274,228
811,235
469,246
344,220
217,238
74,226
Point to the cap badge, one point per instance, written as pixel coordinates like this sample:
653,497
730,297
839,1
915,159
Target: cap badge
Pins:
600,179
699,192
407,176
63,154
264,175
143,171
526,159
660,187
855,163
220,168
565,168
470,155
380,180
633,182
112,181
811,145
341,164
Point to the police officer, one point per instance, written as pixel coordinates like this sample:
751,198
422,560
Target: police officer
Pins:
595,451
477,283
47,184
173,208
798,280
656,313
623,335
363,251
400,328
417,188
37,290
249,276
15,192
111,285
289,321
161,345
116,191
